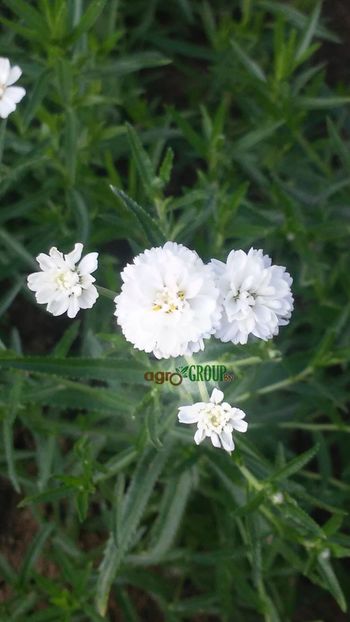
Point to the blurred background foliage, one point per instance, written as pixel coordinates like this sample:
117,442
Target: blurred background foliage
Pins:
220,125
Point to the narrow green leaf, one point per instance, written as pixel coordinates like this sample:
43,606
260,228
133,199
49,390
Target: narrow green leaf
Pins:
8,298
310,31
330,579
294,465
320,103
126,65
62,348
47,496
99,369
140,489
36,96
150,227
166,166
143,162
256,136
252,67
34,552
95,8
17,249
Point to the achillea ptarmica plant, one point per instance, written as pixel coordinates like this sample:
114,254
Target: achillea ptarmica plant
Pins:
169,301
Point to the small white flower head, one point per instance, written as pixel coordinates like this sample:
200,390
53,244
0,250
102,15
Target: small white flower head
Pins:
255,296
64,284
277,498
168,302
9,95
215,419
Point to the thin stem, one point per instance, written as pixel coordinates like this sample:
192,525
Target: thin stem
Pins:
107,293
201,385
2,138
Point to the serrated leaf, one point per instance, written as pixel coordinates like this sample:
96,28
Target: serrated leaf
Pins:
143,162
98,369
294,465
140,489
149,226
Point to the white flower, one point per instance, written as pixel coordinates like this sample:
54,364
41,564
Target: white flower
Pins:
63,285
277,498
215,419
255,296
9,95
168,302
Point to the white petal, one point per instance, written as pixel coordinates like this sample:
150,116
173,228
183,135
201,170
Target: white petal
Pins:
4,70
57,257
45,294
14,75
15,93
188,414
88,264
217,396
45,262
36,280
237,413
57,307
88,297
199,436
227,440
239,425
215,439
73,307
6,107
73,257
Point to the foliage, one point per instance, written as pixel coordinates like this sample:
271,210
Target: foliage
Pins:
211,124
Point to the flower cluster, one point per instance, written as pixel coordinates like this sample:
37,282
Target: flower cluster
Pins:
170,300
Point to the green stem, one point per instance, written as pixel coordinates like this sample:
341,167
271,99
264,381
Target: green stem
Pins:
201,385
2,137
107,293
282,384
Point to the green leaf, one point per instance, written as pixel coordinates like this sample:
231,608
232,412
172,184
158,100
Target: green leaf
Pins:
126,65
62,348
309,33
17,249
95,8
36,96
47,496
320,103
99,369
171,511
252,67
140,489
149,226
8,298
34,551
294,465
330,579
256,136
143,162
166,166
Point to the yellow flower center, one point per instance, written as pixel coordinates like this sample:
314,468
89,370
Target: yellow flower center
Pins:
168,301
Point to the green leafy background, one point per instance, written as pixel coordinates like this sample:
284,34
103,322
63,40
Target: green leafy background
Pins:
214,124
